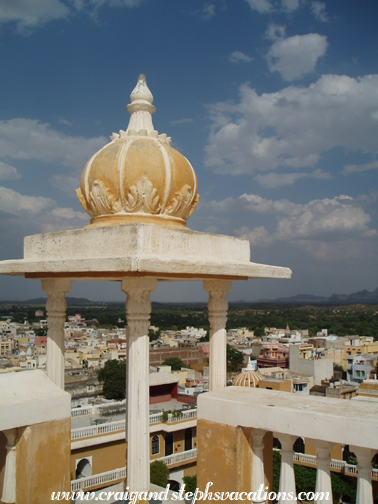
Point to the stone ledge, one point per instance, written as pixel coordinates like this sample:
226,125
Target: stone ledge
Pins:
30,397
333,420
142,249
135,240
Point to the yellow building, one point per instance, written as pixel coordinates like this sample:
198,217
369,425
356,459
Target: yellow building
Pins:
358,346
99,449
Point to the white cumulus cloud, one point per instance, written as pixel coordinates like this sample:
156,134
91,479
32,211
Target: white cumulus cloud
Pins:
31,13
30,139
353,168
294,57
8,172
261,6
290,5
24,215
329,219
294,126
319,11
239,57
272,180
14,203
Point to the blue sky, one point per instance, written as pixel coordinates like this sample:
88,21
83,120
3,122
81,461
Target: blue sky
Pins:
274,102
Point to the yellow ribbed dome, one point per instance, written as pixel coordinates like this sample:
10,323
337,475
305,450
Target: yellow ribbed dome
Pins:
249,377
138,176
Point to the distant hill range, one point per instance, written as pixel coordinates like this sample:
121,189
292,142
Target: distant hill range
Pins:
360,297
71,301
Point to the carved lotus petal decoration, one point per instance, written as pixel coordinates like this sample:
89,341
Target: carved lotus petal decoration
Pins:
102,200
143,197
181,201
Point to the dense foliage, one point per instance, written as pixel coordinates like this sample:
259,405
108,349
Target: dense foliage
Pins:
342,320
234,357
175,362
159,473
190,483
113,376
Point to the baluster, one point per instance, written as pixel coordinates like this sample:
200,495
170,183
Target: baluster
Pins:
364,485
287,477
9,485
258,474
323,473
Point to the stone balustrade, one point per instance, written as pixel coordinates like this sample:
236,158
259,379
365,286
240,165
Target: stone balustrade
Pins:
101,479
105,478
96,409
246,419
97,430
341,465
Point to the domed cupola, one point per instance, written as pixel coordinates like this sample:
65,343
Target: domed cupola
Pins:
138,176
249,377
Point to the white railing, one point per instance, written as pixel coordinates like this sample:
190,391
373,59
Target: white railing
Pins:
98,479
185,415
96,430
324,422
334,464
96,409
155,418
179,457
368,391
120,473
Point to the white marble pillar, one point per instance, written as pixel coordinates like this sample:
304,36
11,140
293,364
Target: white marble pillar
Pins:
323,472
138,312
364,486
218,306
56,306
258,473
9,485
287,477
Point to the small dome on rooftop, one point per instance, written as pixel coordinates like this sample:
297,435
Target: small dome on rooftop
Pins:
249,377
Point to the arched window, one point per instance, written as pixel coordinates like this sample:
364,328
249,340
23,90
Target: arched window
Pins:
276,443
84,468
299,446
348,456
168,443
155,448
188,439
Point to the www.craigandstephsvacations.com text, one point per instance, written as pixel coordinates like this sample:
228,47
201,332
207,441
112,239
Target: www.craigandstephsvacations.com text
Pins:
261,495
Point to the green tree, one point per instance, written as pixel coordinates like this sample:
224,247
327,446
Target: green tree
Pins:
40,331
175,363
159,473
153,335
234,357
113,376
190,483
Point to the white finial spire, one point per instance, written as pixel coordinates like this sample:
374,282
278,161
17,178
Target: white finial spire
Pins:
141,108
